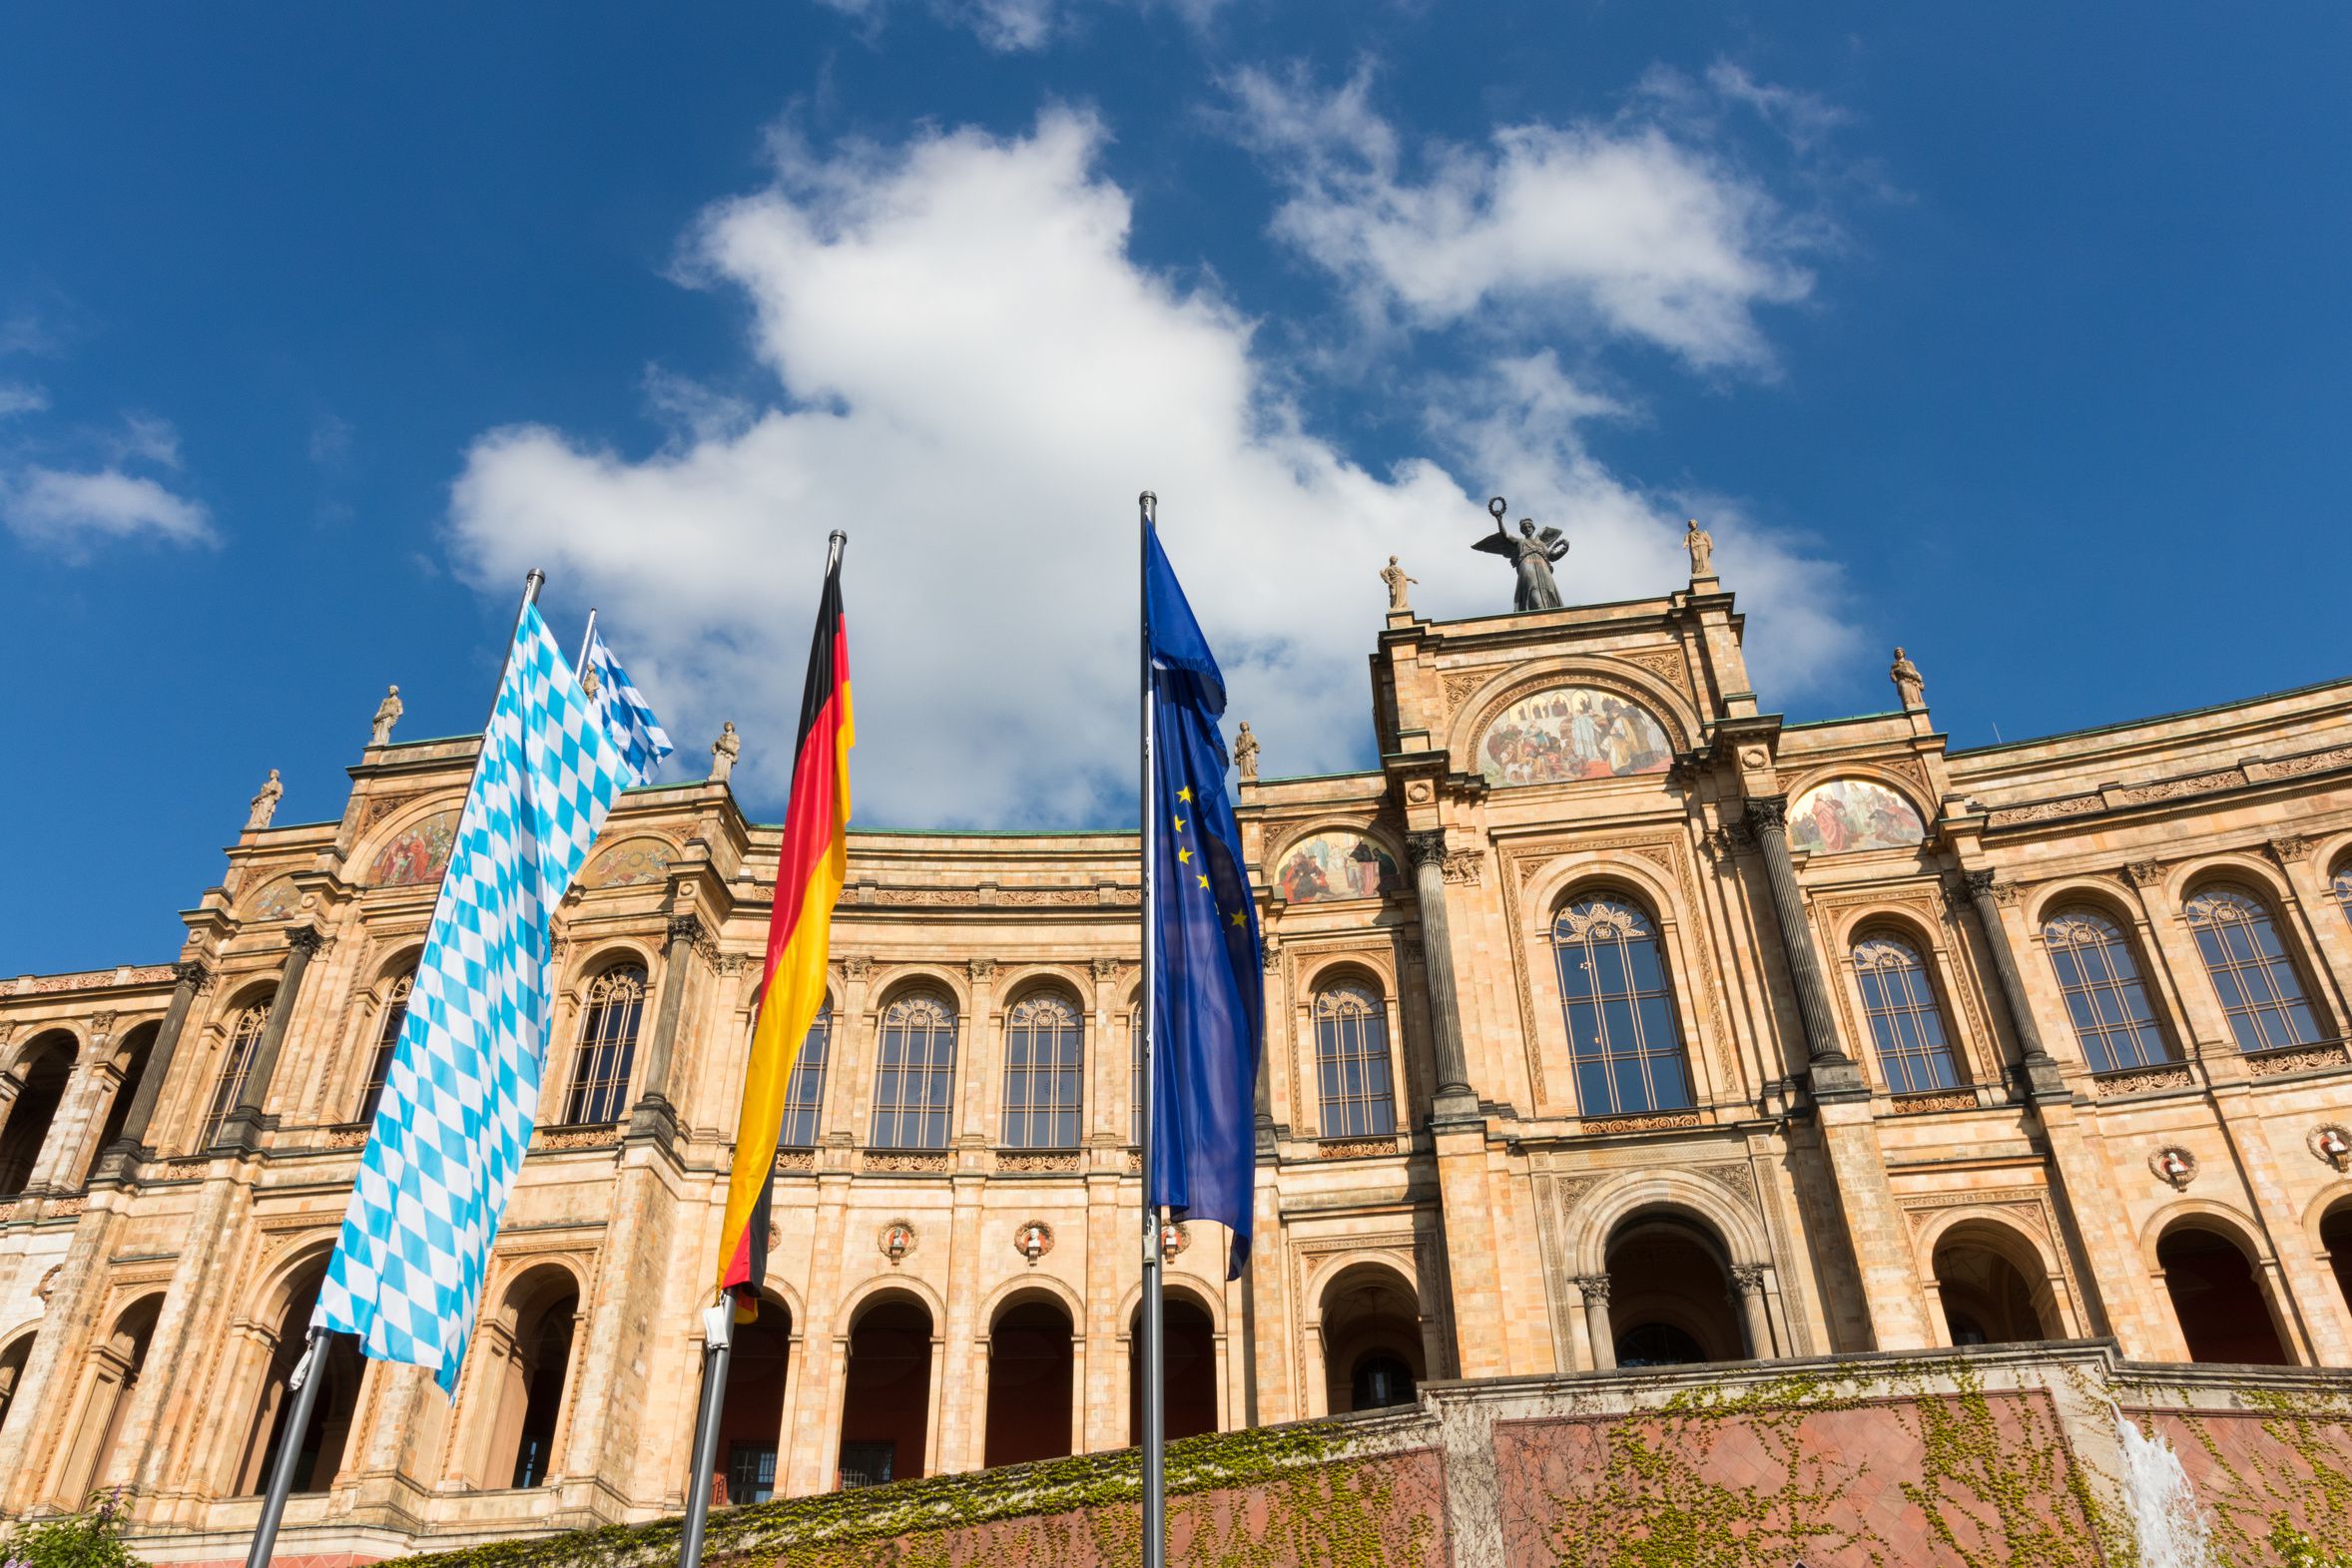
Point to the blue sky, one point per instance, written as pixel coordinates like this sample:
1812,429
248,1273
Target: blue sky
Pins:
2017,339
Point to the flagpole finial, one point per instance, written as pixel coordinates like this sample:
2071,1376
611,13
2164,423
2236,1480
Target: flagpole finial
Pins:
1150,503
533,581
835,543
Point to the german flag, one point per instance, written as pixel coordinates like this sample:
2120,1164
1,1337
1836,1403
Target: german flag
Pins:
808,875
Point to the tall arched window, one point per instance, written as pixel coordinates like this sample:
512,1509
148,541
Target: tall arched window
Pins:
804,1092
1357,1093
40,1089
915,1081
12,1369
236,1060
387,1039
2340,884
2105,997
608,1046
1622,1036
1905,1023
2260,993
1042,1052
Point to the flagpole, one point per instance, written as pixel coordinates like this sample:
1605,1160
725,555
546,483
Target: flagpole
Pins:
309,1373
1155,1437
587,640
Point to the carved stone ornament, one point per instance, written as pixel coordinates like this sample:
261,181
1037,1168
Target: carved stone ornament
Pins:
2331,1143
1464,867
775,1237
856,969
1033,1241
1768,812
1106,969
896,1241
1175,1237
1427,847
2287,848
193,974
306,939
2174,1166
1755,756
1420,791
48,1282
2145,873
1595,1287
686,930
1748,1279
982,970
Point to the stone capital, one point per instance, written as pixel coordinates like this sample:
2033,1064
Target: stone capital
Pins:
1595,1287
1748,1279
1768,812
1426,846
307,940
687,928
192,973
1979,883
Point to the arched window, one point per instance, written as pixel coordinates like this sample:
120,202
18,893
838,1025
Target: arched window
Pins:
1352,1062
12,1370
1905,1023
1622,1037
130,1063
2340,884
2104,998
608,1047
387,1039
804,1092
915,1081
1042,1073
236,1059
40,1089
2260,993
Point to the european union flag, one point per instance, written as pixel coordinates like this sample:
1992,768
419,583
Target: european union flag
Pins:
1208,1025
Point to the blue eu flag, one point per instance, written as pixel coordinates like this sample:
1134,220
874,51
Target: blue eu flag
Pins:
1208,1025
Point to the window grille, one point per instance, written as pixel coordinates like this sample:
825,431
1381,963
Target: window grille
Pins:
2260,993
804,1092
1905,1023
915,1081
387,1040
1622,1037
236,1060
1042,1073
608,1047
2106,999
1358,1097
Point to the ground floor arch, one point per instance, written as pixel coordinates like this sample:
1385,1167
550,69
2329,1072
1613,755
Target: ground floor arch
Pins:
886,1395
1373,1356
110,1382
750,1424
1993,1288
2223,1312
320,1442
2335,1235
1189,1362
1031,1354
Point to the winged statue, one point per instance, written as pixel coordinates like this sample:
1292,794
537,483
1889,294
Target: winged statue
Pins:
1531,553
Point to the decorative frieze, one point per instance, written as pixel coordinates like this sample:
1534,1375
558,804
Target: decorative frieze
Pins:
2139,1080
2296,1059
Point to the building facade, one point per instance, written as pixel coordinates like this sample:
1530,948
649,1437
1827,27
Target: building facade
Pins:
1613,1021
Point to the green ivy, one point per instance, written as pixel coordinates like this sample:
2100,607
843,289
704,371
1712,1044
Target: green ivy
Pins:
89,1539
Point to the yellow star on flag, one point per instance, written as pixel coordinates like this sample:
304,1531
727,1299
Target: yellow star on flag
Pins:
1183,857
1204,882
1184,793
1179,824
1236,917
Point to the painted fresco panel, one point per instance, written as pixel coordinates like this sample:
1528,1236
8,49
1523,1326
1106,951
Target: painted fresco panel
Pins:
1572,731
1337,864
419,854
1846,814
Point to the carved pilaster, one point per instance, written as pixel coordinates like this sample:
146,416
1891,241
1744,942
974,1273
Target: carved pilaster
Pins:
1428,851
1833,1071
2043,1081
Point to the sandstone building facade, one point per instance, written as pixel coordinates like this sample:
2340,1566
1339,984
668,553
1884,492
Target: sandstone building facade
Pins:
1612,1020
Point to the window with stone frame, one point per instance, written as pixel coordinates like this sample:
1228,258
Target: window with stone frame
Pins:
1042,1053
915,1074
1624,1040
236,1060
803,1091
1905,1022
2105,998
2340,884
387,1040
1355,1092
607,1052
2253,978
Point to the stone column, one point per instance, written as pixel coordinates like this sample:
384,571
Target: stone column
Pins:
242,1127
1269,1147
131,1145
1834,1073
655,1114
1595,1288
2040,1072
1747,1288
1454,1097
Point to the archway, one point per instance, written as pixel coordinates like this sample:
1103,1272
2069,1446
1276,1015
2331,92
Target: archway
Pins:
131,1064
1189,1361
48,1062
1371,1351
752,1423
12,1371
2222,1312
1670,1301
886,1397
1989,1298
2335,1234
330,1418
530,1345
116,1367
1028,1383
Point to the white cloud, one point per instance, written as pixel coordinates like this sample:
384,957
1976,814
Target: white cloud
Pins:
977,380
68,511
1021,26
21,397
1621,224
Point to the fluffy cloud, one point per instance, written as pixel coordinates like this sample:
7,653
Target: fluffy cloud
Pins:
68,511
976,380
21,397
1019,26
1621,225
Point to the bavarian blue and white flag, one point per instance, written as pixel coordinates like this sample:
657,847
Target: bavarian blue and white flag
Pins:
623,708
457,1106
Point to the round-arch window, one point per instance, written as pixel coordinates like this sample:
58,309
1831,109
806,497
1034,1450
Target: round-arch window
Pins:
1380,1381
1622,1036
2105,997
1358,1097
2260,993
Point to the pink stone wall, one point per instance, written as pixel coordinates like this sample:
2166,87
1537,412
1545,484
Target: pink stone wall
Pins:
2251,1468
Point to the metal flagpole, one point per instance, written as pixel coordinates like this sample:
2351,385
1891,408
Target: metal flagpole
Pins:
1155,1437
587,640
717,1345
309,1373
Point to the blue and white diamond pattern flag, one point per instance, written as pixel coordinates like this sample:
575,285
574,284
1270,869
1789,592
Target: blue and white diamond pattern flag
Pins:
623,710
457,1106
